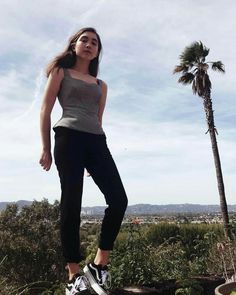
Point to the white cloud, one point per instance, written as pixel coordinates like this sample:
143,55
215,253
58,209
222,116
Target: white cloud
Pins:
155,127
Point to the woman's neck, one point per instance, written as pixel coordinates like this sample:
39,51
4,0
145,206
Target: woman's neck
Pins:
82,66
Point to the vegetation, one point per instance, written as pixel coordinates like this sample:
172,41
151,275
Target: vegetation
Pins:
29,246
31,260
194,70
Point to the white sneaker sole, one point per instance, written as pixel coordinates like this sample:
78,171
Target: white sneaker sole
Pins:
93,282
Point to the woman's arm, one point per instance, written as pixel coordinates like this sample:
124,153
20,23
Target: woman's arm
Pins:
50,94
102,102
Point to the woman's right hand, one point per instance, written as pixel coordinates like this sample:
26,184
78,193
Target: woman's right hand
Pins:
46,160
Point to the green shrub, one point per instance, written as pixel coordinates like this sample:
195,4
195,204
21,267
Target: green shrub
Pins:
143,254
189,287
159,233
171,261
136,261
30,242
192,234
131,260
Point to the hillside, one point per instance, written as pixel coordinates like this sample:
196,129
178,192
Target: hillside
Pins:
20,204
142,209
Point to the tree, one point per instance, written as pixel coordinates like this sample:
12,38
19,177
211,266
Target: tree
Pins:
193,68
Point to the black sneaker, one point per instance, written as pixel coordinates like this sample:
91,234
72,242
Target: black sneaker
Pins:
98,277
78,285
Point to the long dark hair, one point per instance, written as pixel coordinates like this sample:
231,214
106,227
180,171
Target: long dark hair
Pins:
67,58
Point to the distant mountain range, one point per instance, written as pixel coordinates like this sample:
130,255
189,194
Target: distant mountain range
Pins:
20,204
142,209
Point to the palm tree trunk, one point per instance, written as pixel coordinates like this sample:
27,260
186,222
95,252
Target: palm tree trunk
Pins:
212,130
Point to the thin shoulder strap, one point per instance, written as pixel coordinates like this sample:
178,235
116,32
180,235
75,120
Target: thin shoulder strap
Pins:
99,82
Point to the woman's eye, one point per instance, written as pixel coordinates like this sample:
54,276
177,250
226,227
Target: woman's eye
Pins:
85,41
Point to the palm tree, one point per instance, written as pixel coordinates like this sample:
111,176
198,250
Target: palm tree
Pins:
193,69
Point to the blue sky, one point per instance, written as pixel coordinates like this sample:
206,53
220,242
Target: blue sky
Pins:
155,126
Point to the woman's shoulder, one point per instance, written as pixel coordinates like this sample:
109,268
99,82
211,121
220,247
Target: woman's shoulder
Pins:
58,72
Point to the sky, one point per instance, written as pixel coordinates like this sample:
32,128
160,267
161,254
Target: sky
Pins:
155,127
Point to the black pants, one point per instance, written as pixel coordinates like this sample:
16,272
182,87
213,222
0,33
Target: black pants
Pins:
74,151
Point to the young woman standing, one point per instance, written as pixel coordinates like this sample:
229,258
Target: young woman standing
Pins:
80,142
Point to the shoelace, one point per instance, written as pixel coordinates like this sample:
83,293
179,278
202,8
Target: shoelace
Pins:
106,279
80,283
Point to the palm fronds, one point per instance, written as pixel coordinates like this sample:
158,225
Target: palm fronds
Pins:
181,68
186,78
196,52
194,69
218,66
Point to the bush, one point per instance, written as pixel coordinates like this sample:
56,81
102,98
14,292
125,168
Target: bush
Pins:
132,261
158,233
188,234
31,244
143,254
189,287
171,261
222,258
136,261
193,234
164,251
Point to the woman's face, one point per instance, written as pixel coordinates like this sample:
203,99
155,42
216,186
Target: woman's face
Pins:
87,46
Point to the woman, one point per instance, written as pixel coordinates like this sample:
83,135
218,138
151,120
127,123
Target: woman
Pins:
80,143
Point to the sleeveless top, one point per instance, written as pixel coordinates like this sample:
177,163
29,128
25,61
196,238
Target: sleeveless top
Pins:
80,104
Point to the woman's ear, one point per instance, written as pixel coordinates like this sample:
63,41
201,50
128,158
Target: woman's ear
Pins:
72,47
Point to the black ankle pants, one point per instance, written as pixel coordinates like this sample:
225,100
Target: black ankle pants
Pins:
75,150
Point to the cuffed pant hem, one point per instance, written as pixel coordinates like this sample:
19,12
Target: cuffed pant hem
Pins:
74,260
105,248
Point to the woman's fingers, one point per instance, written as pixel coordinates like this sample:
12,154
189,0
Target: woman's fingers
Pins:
46,160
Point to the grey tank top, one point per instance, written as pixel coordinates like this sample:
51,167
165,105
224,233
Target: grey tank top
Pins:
80,104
